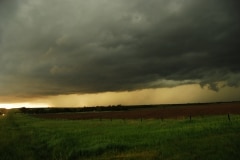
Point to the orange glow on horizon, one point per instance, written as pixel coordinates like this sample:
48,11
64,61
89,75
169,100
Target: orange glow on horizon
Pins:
192,93
20,105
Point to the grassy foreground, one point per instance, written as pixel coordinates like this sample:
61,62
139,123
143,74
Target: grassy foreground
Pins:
25,137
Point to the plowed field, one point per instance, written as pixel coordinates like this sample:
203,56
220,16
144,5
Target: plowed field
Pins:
154,112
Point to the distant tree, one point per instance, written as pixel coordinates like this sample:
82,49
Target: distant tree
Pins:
23,109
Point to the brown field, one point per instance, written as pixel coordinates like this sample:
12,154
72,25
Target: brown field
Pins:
153,112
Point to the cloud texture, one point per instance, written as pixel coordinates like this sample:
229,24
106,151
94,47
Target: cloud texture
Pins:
77,46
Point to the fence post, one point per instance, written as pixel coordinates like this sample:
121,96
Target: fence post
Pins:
229,119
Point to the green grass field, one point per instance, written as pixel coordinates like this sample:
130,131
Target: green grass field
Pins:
26,137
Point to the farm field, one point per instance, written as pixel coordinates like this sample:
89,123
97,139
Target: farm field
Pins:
153,111
210,136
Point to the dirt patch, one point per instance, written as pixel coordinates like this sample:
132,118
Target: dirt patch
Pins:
155,112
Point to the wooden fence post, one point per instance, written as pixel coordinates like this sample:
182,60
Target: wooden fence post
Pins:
229,119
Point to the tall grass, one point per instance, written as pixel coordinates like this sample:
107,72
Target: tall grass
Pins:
26,137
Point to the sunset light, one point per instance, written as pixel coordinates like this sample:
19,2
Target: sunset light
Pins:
20,105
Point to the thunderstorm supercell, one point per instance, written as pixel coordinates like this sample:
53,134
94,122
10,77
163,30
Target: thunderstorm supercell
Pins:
58,47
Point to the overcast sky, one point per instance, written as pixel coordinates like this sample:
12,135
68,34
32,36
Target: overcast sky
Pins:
65,47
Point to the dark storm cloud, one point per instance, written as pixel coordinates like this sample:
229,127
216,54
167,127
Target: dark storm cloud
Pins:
58,47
